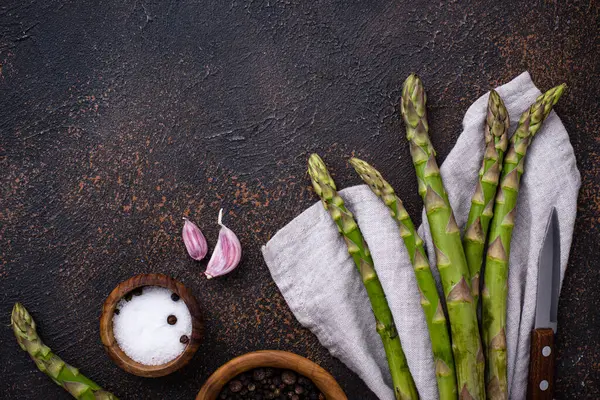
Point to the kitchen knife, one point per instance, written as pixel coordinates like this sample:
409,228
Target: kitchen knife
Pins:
541,363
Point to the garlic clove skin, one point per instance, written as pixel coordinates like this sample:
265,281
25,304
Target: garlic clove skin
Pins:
227,254
194,240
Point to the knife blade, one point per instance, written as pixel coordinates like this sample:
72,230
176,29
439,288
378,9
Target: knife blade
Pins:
542,353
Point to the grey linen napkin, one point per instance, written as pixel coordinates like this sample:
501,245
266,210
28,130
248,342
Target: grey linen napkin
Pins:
310,265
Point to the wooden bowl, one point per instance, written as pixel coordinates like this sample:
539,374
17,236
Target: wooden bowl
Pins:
273,359
110,343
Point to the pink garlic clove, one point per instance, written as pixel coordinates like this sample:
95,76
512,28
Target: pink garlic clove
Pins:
227,254
194,240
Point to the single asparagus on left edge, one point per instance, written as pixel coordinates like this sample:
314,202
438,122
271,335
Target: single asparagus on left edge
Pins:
63,374
430,299
402,380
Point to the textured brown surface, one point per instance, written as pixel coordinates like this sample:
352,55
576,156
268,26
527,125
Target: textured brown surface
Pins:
117,120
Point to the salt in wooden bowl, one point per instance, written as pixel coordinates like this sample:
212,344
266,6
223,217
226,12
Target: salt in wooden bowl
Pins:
106,325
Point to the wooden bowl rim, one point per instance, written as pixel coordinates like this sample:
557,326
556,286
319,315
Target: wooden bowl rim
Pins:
106,325
273,359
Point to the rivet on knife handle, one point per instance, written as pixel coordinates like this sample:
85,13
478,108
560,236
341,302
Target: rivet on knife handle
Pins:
541,365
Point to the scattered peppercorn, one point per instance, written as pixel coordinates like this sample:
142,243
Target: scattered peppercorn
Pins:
174,297
171,320
270,384
184,339
134,292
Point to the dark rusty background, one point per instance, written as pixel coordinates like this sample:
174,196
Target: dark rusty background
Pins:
118,119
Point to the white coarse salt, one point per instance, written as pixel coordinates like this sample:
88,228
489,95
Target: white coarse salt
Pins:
141,328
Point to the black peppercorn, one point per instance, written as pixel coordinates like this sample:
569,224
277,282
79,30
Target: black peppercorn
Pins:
174,297
270,384
302,380
171,320
235,386
258,374
288,377
184,339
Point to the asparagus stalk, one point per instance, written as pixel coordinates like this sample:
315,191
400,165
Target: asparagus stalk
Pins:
450,257
482,203
49,363
404,385
495,286
430,300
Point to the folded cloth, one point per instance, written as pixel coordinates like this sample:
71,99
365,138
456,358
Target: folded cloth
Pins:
310,264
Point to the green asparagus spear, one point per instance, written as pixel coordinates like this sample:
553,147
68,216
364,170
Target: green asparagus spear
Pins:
404,385
450,256
430,300
49,363
482,203
495,285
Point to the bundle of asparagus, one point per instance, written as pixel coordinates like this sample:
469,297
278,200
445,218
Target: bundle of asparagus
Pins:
495,286
463,368
430,299
404,385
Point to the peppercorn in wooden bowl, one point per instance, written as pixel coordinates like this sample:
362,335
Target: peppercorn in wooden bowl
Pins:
266,359
127,289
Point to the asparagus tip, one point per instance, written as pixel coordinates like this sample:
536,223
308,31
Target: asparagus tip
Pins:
558,92
357,163
319,173
411,83
20,316
494,96
315,162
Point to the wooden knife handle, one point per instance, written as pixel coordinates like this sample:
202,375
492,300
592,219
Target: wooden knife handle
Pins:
541,365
